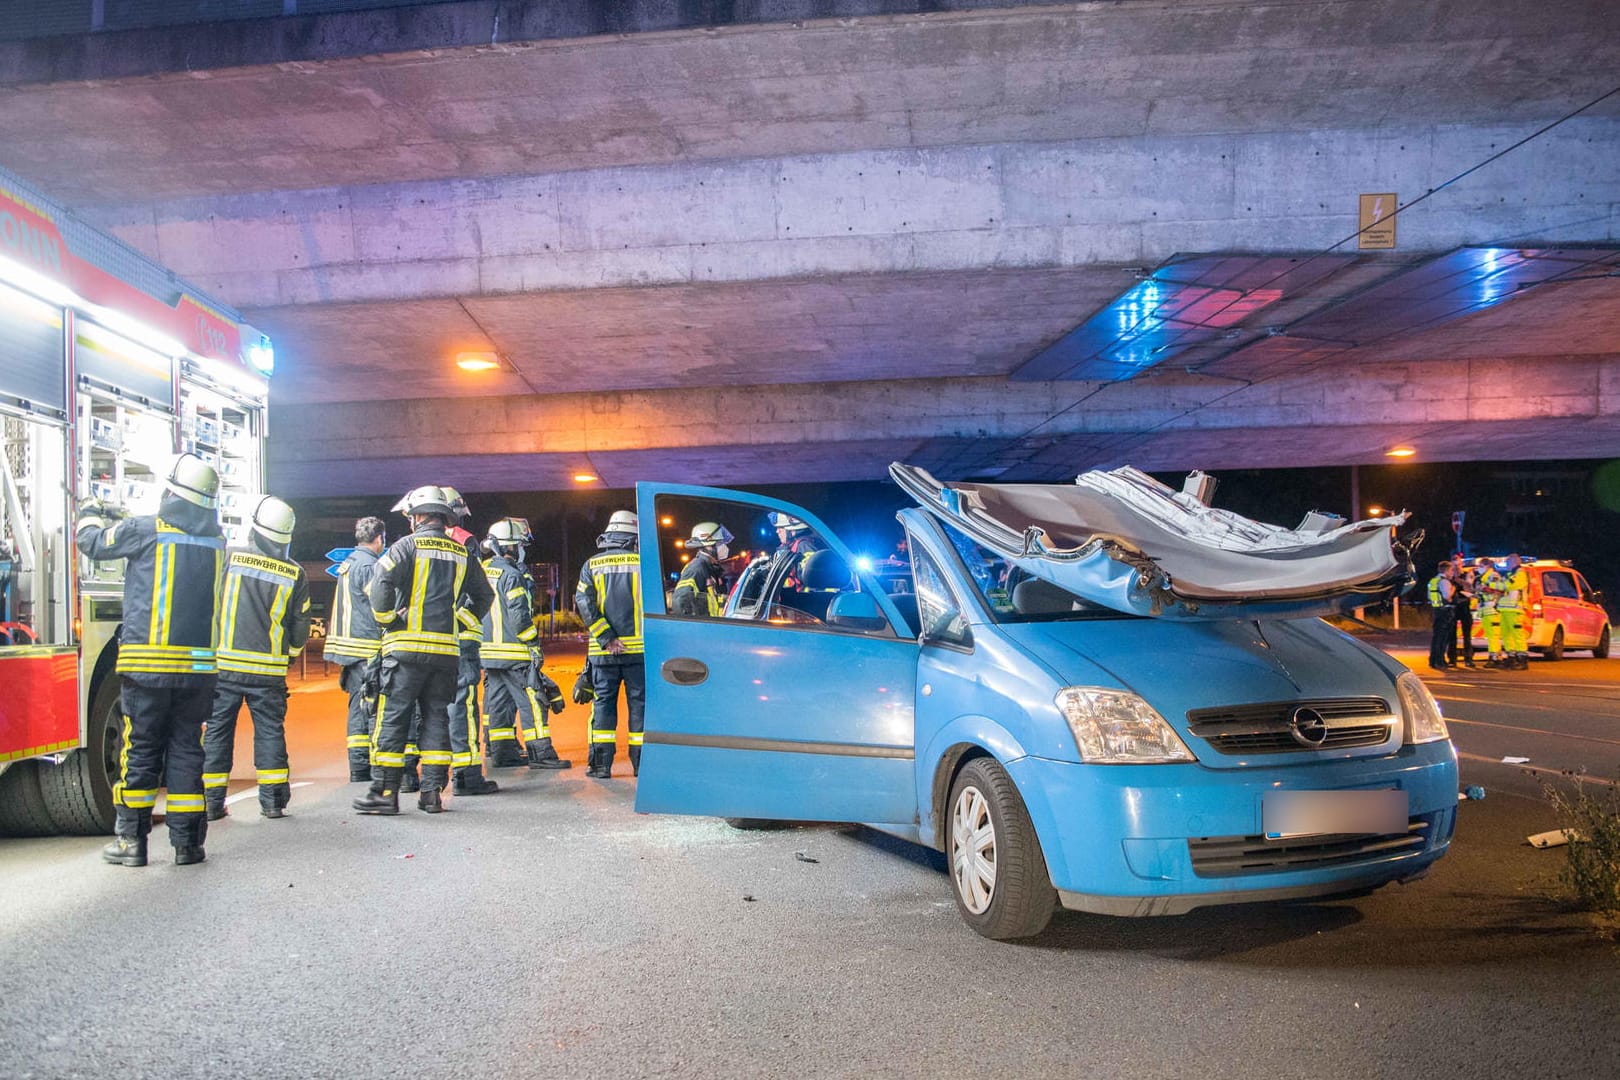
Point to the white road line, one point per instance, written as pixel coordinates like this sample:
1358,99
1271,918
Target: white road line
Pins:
1535,769
253,792
1533,731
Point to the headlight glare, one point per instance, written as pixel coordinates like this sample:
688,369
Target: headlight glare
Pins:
1424,724
1116,727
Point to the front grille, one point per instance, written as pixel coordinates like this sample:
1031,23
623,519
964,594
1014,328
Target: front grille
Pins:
1230,856
1267,727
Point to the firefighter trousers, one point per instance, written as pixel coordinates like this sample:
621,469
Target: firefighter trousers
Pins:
424,691
362,710
464,750
267,706
162,747
513,705
1513,637
608,673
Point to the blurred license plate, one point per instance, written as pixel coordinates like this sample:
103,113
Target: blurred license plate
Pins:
1286,814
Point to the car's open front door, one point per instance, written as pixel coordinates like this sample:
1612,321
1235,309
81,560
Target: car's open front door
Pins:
794,706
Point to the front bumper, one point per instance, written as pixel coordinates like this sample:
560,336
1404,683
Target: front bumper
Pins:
1165,839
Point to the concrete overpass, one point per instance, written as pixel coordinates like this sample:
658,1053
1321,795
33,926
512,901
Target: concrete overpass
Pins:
762,245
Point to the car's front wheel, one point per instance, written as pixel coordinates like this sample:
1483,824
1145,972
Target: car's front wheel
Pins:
998,873
1555,651
1601,650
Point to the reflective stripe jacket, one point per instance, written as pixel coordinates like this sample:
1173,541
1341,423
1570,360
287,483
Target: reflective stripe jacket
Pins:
1515,587
263,617
1488,588
426,588
354,634
701,589
509,630
171,581
609,600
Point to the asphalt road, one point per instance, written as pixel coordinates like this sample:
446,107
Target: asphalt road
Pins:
550,931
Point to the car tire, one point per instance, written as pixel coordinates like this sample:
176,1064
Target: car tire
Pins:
78,792
1555,651
1600,651
998,874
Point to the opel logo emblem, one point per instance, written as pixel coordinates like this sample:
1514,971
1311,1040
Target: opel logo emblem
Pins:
1308,728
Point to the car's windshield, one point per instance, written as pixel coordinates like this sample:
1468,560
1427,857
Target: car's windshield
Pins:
1012,594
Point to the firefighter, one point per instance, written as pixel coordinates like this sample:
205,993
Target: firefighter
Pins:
1515,590
609,603
166,662
263,623
517,691
466,756
701,589
422,584
354,640
795,542
1488,592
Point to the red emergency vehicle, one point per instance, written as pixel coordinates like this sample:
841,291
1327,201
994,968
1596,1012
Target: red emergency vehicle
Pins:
109,367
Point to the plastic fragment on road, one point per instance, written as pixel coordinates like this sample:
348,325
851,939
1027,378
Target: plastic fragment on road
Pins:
1472,791
1515,761
747,899
802,857
1553,838
411,855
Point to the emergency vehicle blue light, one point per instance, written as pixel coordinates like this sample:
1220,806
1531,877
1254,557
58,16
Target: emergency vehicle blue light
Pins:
262,356
863,562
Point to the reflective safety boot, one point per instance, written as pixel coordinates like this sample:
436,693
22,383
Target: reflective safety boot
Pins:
359,769
471,781
383,795
125,851
544,757
215,804
185,856
430,801
410,783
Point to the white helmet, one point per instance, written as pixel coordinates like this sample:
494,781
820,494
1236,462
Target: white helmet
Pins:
792,524
709,534
195,481
510,530
458,505
427,499
274,520
623,521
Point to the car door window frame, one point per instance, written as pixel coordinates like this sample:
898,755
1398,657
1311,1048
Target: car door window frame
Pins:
960,635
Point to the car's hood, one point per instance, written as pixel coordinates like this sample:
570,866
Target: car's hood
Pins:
1123,540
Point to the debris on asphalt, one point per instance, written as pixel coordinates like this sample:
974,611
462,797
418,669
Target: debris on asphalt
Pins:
802,857
1472,791
747,899
1515,761
1554,838
411,855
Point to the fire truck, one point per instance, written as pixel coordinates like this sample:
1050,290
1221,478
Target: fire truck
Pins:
110,366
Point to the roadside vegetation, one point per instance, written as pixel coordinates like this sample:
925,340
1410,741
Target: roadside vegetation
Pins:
1591,874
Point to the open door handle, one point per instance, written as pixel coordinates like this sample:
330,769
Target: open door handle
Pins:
684,671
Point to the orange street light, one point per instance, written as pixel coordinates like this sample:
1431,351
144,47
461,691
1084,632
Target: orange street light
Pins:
1400,452
583,478
478,361
666,521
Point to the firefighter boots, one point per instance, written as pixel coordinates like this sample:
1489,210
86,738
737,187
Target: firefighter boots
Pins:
545,757
125,851
430,801
185,856
383,795
471,781
214,802
411,783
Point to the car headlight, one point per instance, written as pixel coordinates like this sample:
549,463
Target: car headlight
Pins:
1115,727
1424,724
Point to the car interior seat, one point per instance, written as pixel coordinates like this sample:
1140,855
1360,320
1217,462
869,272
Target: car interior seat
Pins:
1032,596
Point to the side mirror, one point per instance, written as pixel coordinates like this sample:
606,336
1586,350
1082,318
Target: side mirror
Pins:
1597,597
856,611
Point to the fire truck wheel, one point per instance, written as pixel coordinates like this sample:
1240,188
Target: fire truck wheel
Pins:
78,792
22,805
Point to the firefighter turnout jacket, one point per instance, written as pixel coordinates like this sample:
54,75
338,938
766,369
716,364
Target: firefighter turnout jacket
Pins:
263,617
353,636
168,636
702,587
426,590
608,597
509,630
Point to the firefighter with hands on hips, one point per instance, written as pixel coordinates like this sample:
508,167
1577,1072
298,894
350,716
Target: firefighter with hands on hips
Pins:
1488,584
1515,593
466,757
354,640
263,624
517,690
608,599
423,585
166,661
701,589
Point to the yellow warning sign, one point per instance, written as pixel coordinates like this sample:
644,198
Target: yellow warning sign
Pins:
1376,225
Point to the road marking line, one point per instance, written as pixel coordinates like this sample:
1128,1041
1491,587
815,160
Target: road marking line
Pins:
1536,769
253,792
1533,731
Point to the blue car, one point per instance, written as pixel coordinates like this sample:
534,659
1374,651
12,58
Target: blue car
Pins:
1094,717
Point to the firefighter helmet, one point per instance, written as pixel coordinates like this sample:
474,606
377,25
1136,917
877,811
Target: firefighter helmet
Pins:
195,481
427,499
510,531
709,534
458,505
622,521
792,524
274,520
